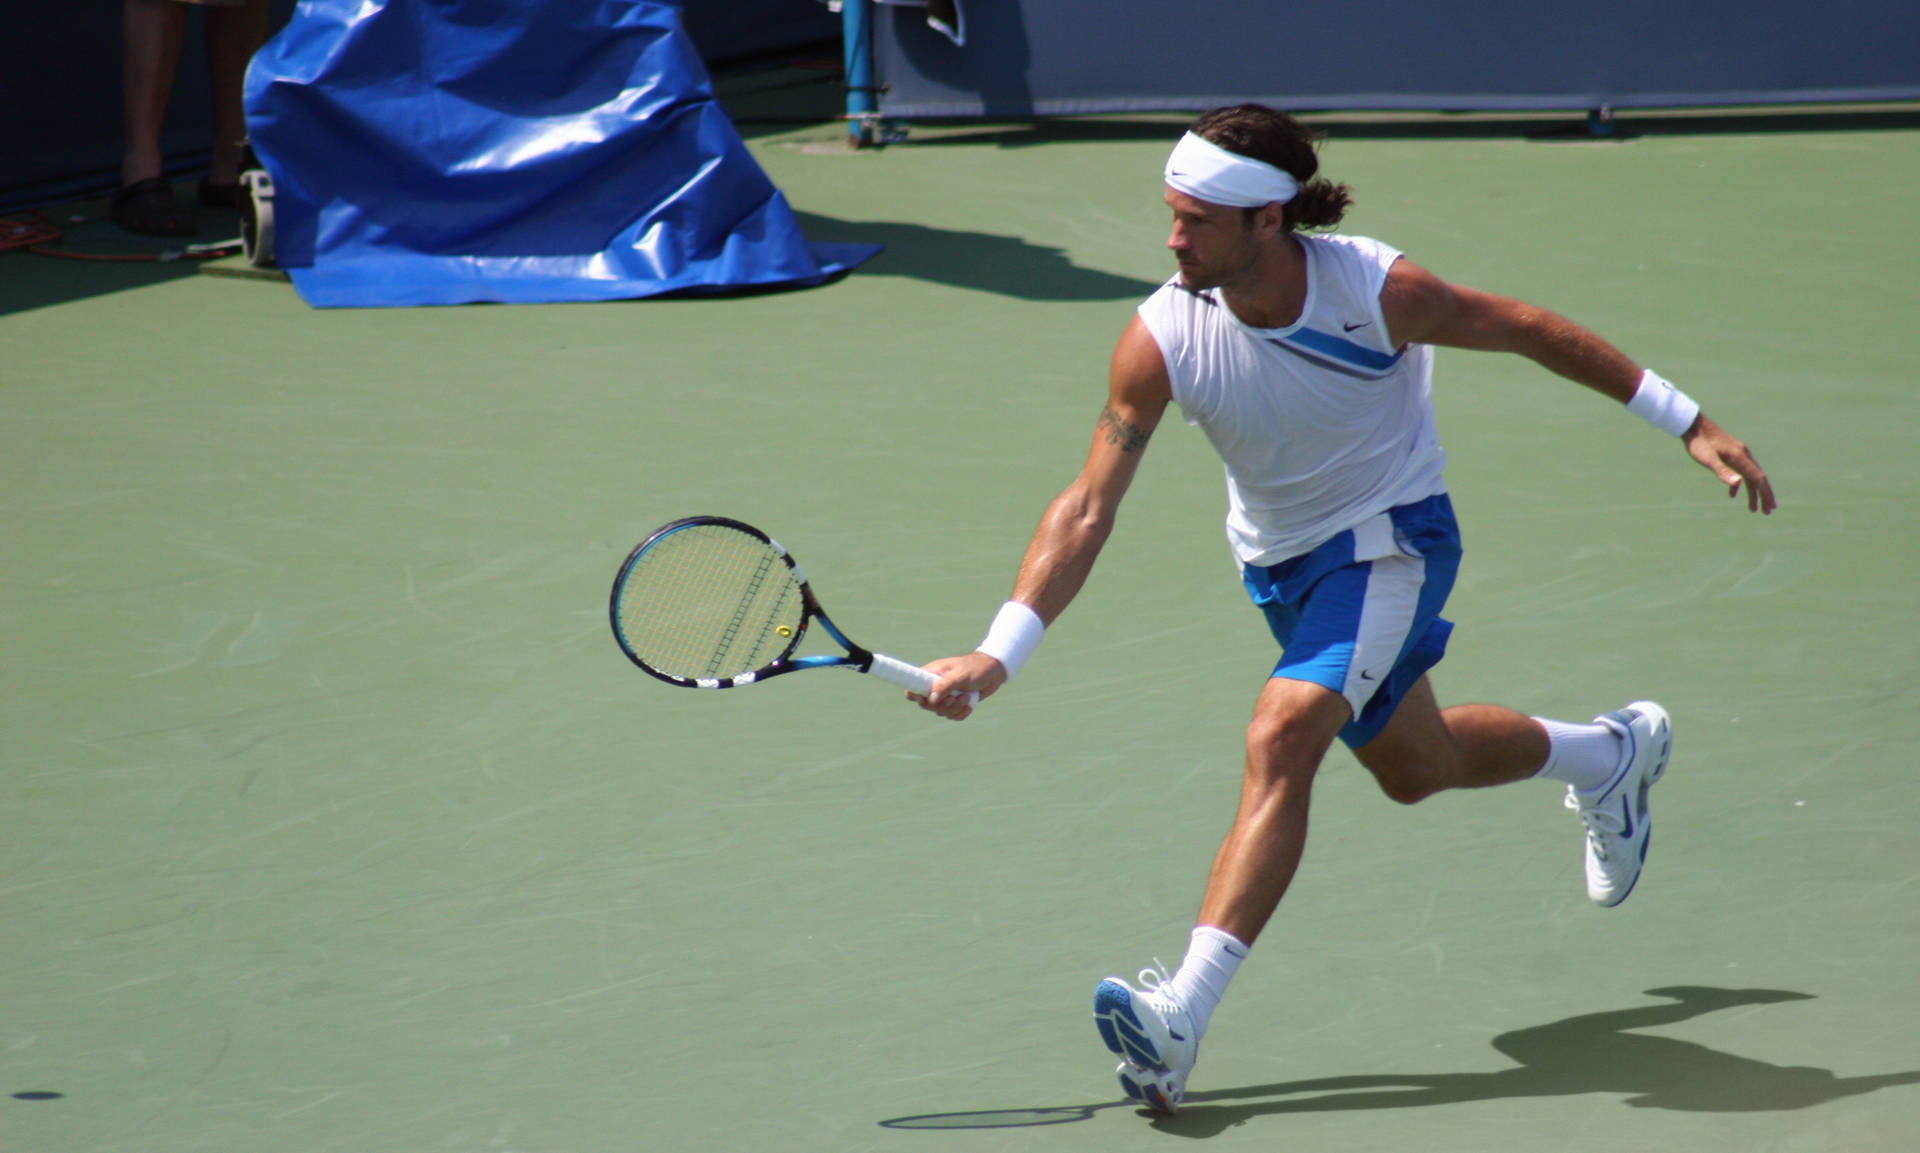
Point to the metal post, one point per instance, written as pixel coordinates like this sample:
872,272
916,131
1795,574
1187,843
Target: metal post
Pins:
856,32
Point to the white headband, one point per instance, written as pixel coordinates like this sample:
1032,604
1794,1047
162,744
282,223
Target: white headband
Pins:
1206,171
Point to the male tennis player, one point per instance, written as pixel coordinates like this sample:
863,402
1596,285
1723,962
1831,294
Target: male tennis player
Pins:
1307,361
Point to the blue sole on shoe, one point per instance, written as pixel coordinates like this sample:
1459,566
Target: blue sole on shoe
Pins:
1146,1093
1120,1027
1113,997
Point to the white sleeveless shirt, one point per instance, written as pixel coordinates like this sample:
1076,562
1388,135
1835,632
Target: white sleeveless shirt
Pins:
1323,425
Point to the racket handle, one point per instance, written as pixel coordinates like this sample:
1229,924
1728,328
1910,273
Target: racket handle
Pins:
910,677
901,673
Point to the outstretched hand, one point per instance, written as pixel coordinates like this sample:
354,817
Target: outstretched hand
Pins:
1717,450
964,682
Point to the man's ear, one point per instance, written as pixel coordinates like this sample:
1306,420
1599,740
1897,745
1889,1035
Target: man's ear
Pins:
1271,219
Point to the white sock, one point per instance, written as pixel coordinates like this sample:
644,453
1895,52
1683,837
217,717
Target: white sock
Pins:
1584,756
1212,958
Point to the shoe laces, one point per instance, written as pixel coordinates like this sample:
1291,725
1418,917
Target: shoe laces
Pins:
1601,822
1156,979
1159,988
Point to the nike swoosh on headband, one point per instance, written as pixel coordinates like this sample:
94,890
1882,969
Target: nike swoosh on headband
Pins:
1205,171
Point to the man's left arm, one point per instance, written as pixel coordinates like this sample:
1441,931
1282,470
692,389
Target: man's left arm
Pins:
1421,308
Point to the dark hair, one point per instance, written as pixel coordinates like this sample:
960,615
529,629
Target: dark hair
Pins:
1269,135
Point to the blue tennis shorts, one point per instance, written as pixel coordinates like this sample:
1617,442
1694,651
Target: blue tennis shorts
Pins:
1360,614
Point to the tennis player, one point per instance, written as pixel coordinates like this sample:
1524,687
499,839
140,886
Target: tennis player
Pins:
1307,361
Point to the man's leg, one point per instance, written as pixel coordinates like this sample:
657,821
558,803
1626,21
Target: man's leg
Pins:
1608,767
1424,750
1294,723
1156,1031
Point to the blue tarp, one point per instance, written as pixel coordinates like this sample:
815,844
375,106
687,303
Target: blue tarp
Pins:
447,151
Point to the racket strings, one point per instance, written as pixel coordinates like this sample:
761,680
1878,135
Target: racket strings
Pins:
710,601
747,600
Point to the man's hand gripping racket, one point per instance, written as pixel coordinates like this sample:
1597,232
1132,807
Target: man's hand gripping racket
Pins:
713,603
963,683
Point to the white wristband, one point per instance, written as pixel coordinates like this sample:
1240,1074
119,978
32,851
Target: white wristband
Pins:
1663,406
1014,634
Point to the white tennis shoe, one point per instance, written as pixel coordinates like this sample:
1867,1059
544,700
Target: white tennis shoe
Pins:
1619,825
1153,1035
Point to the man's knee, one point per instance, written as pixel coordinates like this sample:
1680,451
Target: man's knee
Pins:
1287,743
1281,747
1405,777
1409,757
1407,786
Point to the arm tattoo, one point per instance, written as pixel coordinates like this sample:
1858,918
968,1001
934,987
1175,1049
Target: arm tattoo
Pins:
1122,435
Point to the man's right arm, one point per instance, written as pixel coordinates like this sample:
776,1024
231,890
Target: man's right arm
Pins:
1076,524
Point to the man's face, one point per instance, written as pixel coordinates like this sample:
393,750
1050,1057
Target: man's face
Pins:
1212,243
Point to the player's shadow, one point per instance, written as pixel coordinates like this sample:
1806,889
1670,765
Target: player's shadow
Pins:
1594,1053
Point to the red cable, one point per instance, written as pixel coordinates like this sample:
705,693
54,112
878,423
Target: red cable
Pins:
33,234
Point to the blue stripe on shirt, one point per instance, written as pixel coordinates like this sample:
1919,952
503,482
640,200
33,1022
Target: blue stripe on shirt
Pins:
1325,346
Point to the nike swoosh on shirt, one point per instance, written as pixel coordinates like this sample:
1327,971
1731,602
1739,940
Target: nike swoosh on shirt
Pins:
1356,327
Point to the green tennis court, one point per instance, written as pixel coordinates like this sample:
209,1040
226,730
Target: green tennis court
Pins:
335,821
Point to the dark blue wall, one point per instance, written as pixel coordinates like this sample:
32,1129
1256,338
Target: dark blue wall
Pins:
1057,57
729,30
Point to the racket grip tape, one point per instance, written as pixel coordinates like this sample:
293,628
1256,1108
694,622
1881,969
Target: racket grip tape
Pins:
910,677
903,674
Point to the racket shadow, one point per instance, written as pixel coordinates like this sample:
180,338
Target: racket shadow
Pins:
1004,1118
1592,1053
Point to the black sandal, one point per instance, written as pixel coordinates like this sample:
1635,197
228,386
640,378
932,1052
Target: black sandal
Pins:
148,208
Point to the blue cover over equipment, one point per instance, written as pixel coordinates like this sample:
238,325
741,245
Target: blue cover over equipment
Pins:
445,151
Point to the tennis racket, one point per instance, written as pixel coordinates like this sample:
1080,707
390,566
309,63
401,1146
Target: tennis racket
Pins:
712,603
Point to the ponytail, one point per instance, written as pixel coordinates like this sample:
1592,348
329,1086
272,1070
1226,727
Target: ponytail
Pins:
1320,204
